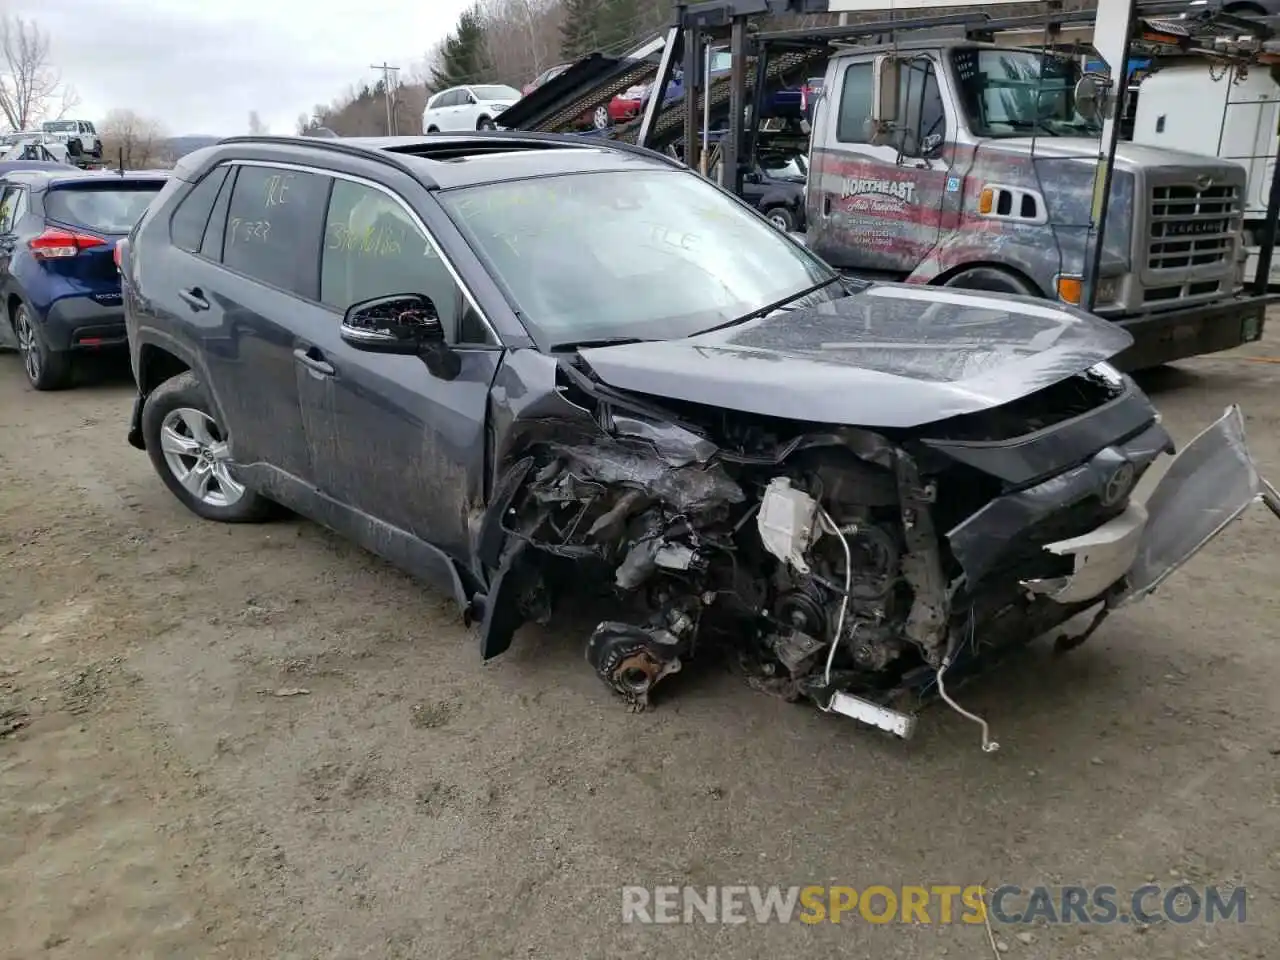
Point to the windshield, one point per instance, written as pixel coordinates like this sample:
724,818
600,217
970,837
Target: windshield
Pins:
649,254
1016,93
496,93
106,210
60,126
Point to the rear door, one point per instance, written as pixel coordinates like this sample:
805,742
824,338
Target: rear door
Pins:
250,295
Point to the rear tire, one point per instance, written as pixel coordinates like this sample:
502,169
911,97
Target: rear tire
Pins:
433,129
46,369
189,450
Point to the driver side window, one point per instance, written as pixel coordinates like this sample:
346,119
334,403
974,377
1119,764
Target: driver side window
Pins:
374,248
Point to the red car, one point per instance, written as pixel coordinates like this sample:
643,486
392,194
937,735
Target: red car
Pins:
625,106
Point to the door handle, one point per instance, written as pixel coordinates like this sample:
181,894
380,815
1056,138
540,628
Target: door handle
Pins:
313,359
826,205
194,298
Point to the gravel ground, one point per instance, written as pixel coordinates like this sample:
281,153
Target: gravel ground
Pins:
261,742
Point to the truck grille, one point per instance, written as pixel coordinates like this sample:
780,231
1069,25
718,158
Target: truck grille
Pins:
1193,227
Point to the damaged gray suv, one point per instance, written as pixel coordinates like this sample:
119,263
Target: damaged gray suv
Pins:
530,368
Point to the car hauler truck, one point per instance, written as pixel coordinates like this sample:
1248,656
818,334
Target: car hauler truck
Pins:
941,155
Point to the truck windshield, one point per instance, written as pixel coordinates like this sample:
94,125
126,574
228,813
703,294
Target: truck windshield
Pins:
1017,93
645,254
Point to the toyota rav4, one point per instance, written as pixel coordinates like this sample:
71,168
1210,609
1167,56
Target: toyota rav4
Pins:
524,367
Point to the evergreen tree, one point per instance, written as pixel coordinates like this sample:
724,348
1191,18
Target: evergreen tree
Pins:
579,33
621,22
464,57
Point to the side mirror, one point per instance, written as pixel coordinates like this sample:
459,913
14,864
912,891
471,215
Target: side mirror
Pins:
884,102
406,324
1091,95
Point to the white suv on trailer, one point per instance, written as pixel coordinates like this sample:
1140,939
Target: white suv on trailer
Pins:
468,108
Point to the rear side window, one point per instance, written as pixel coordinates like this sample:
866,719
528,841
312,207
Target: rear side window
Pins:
186,229
855,104
111,208
274,227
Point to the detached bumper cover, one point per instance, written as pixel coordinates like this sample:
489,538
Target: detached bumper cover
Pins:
1171,517
1207,486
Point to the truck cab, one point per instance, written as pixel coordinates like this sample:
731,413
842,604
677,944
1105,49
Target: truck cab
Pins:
967,164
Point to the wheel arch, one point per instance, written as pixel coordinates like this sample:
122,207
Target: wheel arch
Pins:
1018,278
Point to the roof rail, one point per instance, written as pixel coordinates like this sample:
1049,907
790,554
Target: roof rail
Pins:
332,144
391,150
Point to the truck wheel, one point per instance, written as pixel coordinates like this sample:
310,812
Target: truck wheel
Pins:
782,218
188,448
993,279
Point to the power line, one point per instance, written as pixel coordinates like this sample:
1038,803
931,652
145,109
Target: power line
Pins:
387,70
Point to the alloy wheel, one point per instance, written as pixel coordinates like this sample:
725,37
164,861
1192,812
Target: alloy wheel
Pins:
28,346
197,454
779,221
601,118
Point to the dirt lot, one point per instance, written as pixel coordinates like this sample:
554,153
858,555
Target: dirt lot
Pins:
168,798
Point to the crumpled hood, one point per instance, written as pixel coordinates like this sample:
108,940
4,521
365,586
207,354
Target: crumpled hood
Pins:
893,355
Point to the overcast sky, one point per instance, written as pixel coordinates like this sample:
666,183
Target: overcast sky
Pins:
200,66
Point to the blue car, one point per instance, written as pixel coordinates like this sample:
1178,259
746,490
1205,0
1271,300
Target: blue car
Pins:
59,284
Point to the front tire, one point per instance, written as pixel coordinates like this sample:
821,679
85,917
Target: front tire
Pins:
46,369
600,119
190,451
484,123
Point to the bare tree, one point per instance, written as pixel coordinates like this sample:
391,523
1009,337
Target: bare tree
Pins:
133,140
31,89
256,127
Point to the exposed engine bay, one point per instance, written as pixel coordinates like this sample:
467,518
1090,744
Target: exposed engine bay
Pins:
859,569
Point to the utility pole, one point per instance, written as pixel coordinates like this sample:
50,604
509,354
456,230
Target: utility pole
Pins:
387,74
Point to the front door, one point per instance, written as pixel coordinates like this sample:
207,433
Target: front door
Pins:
875,202
390,439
